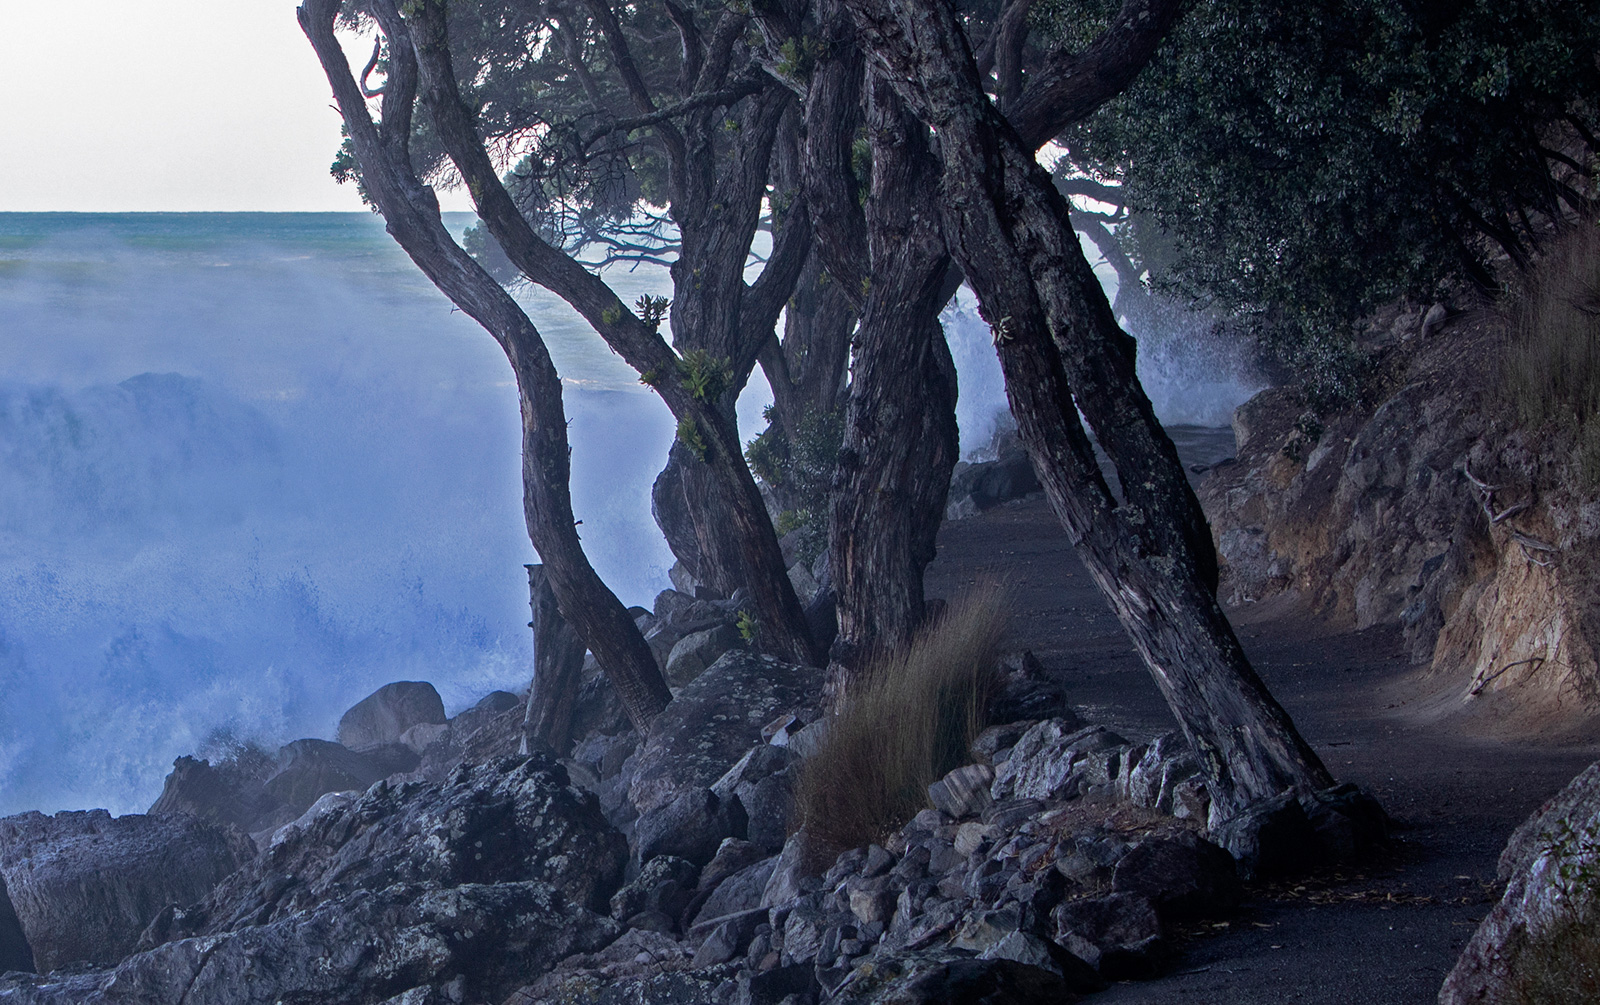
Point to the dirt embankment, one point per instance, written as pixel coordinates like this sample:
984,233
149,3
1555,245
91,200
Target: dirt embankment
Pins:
1426,508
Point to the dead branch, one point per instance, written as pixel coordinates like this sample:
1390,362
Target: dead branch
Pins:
1535,660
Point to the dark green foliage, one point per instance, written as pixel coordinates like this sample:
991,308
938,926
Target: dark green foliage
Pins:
799,470
1308,162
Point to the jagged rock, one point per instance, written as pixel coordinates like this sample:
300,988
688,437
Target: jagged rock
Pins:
691,826
713,721
512,820
941,977
763,782
488,708
742,891
733,856
15,953
352,950
1156,777
963,792
84,884
1270,838
1184,875
1053,761
790,878
698,650
383,715
1119,935
665,884
1024,947
471,888
233,791
1539,943
994,744
309,768
729,938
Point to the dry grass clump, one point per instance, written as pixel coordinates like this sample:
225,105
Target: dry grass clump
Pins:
1553,368
910,718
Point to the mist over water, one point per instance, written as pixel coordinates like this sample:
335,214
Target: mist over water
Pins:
253,466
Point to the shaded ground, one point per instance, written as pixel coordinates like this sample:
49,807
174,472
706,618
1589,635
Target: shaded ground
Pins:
1385,934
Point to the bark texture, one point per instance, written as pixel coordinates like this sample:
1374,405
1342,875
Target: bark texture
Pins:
900,432
1061,352
411,215
557,670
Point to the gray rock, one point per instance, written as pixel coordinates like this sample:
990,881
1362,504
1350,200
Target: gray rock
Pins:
739,892
1348,822
355,949
994,744
309,768
963,792
665,884
1053,761
733,856
1270,838
1154,778
84,884
694,652
386,713
1120,935
713,721
1184,875
1539,943
943,977
790,878
512,820
692,827
987,484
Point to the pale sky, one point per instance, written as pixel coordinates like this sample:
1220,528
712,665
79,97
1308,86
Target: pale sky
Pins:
115,106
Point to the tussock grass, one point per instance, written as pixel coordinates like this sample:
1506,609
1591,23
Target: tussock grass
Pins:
910,718
1553,366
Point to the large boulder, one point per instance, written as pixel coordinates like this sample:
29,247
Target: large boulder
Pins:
713,721
84,884
15,953
411,894
1541,942
382,716
407,944
511,820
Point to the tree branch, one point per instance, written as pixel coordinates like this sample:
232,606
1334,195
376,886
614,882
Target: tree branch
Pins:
1073,85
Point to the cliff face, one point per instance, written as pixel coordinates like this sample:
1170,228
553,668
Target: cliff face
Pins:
1427,508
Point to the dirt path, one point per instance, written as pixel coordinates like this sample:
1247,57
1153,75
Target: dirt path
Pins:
1387,933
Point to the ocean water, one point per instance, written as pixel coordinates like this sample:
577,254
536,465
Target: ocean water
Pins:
253,466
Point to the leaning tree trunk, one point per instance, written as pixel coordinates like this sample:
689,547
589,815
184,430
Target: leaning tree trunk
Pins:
1061,351
900,433
411,213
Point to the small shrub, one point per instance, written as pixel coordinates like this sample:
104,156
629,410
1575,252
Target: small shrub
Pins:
909,718
1553,367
